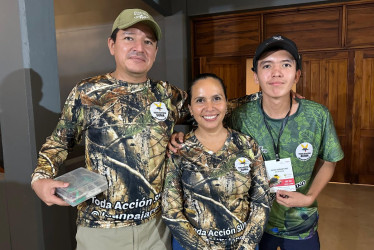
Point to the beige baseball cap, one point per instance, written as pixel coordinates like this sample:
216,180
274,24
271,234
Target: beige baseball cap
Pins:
129,17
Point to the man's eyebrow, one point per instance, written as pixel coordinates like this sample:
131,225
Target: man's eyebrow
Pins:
288,60
266,61
151,37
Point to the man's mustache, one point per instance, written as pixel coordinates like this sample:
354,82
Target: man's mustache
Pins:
137,54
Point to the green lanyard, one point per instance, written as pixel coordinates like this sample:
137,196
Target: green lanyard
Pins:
285,120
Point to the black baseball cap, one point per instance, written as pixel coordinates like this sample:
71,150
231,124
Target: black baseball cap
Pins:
277,42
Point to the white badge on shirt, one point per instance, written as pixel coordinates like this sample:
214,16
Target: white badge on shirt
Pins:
280,175
304,151
159,111
242,165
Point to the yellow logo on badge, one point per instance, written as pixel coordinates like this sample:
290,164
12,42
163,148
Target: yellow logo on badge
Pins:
241,161
158,106
305,148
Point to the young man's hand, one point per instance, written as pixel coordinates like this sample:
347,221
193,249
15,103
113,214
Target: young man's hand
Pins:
293,199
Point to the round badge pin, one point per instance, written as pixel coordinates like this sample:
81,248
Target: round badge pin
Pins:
159,111
304,151
242,165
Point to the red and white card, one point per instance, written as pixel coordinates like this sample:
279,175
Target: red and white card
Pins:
280,175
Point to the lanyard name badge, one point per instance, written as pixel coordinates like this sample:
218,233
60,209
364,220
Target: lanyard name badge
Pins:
279,171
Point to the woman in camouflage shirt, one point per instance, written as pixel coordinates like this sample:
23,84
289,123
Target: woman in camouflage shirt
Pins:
216,194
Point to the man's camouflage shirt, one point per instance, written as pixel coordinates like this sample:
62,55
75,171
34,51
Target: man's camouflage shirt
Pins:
125,128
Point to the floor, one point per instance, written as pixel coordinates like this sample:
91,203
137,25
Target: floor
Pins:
346,217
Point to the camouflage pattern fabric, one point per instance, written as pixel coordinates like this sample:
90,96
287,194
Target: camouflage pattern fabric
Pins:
126,128
217,200
232,104
308,135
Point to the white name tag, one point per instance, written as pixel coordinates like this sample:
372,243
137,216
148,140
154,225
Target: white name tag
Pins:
280,175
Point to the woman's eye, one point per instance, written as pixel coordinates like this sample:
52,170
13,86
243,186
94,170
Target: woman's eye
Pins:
199,100
217,98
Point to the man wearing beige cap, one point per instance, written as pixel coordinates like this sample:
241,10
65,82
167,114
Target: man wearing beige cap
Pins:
125,120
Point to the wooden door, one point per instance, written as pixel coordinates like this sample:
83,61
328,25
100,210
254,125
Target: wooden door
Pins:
363,118
230,69
325,80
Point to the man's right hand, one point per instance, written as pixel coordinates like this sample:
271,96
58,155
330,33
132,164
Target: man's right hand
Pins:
45,189
176,141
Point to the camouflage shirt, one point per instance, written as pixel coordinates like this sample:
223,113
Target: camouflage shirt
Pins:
126,128
308,135
217,200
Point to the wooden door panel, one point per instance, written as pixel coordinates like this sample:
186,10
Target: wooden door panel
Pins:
367,100
325,80
363,116
366,169
230,69
318,28
233,35
360,25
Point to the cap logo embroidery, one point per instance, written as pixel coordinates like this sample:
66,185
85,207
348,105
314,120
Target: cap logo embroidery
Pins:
277,38
140,15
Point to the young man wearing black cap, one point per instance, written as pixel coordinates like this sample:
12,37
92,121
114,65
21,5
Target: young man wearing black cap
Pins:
126,120
289,130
